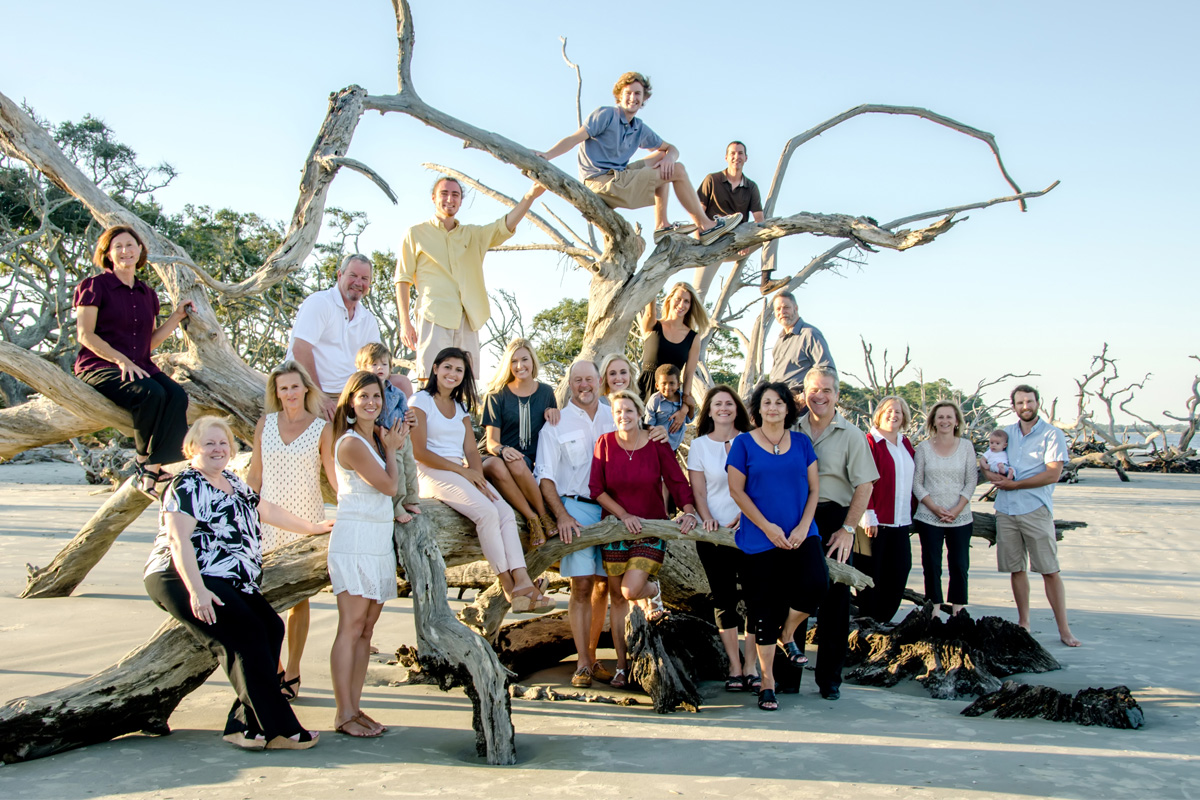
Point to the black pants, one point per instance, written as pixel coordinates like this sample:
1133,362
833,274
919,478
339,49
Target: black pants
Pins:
246,638
888,565
779,580
159,408
725,569
834,617
958,557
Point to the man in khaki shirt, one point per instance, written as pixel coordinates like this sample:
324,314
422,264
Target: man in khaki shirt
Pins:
847,473
443,259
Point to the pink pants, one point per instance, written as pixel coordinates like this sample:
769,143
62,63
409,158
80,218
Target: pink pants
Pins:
495,523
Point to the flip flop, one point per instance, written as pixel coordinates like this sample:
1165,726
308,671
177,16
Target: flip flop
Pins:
342,730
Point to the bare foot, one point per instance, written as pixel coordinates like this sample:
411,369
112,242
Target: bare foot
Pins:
1069,640
1025,625
403,518
412,508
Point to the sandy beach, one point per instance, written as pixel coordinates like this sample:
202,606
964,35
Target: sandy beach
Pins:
1131,578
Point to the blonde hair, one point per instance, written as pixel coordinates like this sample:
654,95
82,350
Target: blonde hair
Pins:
959,421
504,374
905,411
312,393
607,362
625,394
368,354
191,442
696,317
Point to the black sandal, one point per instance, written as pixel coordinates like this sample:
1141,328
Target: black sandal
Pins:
289,689
765,697
752,682
735,683
794,654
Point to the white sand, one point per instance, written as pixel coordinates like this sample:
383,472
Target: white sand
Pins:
1132,587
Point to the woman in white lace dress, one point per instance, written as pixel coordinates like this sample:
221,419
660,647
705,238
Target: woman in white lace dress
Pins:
362,560
291,445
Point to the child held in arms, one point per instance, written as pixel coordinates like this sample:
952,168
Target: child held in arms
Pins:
665,402
995,458
376,358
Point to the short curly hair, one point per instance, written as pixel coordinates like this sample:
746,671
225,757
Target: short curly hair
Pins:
632,77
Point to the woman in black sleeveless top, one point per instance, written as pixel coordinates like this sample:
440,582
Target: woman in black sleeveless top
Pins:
673,339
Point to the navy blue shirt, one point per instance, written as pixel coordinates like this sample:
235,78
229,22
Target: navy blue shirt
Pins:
776,484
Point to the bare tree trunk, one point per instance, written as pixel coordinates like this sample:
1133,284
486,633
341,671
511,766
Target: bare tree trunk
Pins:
72,564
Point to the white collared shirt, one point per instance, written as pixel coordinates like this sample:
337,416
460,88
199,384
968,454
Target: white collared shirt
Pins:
904,482
324,322
564,452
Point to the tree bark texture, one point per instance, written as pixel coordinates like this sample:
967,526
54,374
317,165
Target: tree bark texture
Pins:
670,655
1110,708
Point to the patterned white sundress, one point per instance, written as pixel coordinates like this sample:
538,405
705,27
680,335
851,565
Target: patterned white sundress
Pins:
291,478
362,560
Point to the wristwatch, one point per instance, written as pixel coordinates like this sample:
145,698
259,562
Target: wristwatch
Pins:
848,529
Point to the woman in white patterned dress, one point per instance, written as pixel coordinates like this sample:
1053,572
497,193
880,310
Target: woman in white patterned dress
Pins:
362,560
291,445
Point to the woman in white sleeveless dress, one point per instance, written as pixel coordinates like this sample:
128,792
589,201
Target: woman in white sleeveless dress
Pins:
291,445
362,561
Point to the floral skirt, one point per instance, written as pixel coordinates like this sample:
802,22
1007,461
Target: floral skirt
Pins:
645,554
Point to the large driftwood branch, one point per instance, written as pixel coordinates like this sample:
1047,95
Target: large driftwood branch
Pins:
73,563
140,691
65,390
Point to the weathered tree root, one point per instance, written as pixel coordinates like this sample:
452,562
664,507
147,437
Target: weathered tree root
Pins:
521,692
667,657
1110,708
533,644
961,657
450,651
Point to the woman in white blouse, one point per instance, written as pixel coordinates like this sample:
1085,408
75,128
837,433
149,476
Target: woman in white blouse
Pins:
888,518
449,469
945,475
722,417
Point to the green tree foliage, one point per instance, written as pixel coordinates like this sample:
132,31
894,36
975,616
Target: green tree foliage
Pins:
557,333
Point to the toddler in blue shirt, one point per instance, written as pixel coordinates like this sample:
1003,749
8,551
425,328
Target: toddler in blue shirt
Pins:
665,402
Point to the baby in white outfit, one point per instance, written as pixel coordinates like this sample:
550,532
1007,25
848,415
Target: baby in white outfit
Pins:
995,458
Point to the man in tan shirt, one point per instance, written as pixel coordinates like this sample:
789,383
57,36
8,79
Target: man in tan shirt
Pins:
443,259
847,474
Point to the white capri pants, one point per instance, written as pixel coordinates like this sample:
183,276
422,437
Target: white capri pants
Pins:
495,522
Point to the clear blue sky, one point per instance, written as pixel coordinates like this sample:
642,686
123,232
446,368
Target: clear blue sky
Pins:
1101,96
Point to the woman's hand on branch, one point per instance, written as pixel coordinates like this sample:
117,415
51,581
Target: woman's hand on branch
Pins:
321,528
202,603
710,525
632,523
687,521
182,310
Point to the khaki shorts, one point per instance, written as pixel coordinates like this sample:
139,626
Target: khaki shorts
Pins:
433,339
632,187
1026,535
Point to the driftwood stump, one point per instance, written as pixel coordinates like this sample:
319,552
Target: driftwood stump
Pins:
961,657
669,656
1111,708
533,644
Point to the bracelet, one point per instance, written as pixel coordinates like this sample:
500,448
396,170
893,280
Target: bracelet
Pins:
690,514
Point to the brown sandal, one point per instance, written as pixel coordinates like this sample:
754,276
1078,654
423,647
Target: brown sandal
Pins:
537,536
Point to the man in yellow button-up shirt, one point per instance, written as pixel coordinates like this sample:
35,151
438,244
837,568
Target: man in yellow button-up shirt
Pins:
443,258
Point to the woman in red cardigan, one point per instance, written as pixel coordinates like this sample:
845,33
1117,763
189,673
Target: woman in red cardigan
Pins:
888,518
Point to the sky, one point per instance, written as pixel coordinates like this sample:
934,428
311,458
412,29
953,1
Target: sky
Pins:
1099,96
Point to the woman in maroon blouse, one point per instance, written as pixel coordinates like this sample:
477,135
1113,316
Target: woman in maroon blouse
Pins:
628,473
116,322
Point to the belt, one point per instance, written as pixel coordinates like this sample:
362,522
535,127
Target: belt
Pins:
581,499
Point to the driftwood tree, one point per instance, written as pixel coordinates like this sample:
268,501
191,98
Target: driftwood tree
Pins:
219,381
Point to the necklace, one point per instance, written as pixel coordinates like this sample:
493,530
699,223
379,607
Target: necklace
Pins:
628,453
775,444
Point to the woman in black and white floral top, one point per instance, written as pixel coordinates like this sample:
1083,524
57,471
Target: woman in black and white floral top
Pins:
205,570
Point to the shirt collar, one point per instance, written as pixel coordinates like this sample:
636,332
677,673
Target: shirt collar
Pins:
744,182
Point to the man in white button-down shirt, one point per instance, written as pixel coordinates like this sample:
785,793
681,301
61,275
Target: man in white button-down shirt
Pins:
563,469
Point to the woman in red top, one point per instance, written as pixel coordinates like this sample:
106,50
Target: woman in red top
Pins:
116,323
628,473
888,518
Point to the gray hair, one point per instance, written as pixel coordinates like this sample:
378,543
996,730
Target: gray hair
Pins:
822,371
788,295
580,362
354,257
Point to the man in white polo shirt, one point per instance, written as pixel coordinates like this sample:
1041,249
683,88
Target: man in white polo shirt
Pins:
1025,537
331,326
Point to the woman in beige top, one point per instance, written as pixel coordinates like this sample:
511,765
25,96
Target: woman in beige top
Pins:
944,478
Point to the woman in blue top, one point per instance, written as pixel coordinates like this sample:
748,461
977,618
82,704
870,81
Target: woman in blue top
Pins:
773,479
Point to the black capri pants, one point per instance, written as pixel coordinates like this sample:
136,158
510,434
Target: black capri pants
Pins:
246,639
725,568
158,406
780,580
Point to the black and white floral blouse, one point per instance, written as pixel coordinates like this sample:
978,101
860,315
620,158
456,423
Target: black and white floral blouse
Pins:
227,531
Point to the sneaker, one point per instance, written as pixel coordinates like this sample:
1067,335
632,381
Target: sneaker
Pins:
722,226
674,227
582,678
770,286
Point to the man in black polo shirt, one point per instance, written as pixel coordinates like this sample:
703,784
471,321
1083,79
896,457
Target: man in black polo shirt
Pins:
724,192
